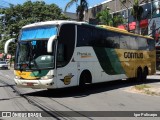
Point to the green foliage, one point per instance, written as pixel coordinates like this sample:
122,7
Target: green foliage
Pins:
69,4
118,20
141,87
137,10
30,12
106,18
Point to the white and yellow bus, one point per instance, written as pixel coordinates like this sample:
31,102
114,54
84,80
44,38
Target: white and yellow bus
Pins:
58,54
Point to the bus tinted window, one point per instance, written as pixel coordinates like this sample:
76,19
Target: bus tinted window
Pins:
136,43
151,44
124,42
97,38
142,44
90,36
112,39
93,36
66,42
104,38
133,43
84,36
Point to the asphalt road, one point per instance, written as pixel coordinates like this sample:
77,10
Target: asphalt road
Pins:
72,103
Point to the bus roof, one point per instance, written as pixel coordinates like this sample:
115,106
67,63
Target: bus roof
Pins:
120,30
60,22
55,22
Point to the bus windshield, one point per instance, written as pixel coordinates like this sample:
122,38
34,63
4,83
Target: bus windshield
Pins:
32,52
37,33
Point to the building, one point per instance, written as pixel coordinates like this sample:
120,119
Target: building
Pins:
150,19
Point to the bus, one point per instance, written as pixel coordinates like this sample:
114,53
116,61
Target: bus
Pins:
59,54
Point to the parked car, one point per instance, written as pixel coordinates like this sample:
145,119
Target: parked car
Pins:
3,65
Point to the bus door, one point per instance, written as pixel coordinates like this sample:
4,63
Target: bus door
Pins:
66,69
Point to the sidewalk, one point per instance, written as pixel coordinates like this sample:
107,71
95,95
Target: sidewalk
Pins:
12,67
153,82
158,72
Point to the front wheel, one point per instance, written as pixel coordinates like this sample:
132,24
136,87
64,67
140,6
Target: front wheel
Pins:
82,82
85,78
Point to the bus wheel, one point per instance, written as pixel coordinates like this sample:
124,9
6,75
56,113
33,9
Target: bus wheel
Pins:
145,73
139,75
85,78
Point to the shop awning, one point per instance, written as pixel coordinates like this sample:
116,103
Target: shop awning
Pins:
122,27
132,26
143,23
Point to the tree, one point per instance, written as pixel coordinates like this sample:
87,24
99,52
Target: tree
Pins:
80,8
30,12
137,12
105,17
118,20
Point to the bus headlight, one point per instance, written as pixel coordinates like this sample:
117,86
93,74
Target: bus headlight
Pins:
17,77
47,77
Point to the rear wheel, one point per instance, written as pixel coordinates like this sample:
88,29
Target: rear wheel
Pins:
83,79
139,75
145,73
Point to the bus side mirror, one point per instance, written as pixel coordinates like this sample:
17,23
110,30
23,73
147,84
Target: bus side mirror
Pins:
6,46
50,42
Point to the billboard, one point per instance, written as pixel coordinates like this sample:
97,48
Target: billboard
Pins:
156,8
154,28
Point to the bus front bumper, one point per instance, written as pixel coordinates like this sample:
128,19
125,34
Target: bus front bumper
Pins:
35,84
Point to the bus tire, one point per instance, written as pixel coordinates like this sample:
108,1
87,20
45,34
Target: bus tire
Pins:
139,74
85,77
145,73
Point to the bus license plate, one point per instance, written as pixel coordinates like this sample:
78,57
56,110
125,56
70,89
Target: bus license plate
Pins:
30,84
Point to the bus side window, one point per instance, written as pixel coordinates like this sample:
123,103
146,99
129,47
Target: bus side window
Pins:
142,44
84,36
60,55
151,44
66,44
112,39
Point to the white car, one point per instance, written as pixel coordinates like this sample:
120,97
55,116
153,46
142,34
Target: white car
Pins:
3,65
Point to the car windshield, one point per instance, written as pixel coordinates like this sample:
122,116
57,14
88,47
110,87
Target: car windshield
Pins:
32,49
2,62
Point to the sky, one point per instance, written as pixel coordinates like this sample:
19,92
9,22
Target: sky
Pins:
60,3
